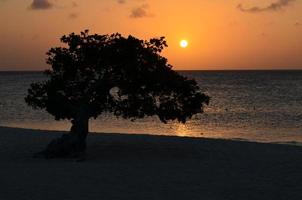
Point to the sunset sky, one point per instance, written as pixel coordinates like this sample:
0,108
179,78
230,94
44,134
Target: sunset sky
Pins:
221,34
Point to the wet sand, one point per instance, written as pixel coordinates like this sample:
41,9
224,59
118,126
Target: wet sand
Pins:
120,166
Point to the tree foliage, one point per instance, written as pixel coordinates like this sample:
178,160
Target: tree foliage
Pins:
126,76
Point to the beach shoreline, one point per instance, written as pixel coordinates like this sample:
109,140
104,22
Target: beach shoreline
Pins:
125,166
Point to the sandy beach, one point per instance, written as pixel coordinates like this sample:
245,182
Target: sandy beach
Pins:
148,167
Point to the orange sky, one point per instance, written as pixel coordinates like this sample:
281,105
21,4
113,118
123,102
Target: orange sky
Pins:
232,34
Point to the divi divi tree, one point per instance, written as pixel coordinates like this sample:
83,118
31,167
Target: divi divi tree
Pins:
126,76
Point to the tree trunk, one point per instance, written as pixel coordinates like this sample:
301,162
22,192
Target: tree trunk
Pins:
72,144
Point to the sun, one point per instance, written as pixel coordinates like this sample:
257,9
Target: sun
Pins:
183,43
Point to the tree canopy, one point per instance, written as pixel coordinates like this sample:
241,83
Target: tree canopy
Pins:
126,76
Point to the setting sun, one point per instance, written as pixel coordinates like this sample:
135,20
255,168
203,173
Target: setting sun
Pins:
183,43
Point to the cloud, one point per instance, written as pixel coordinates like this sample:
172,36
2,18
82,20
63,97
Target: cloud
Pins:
73,15
127,1
40,4
121,1
263,34
74,4
140,11
275,6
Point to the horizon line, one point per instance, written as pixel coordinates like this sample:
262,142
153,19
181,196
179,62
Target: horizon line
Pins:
278,69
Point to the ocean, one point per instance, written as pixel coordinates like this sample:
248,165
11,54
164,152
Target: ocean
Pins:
262,106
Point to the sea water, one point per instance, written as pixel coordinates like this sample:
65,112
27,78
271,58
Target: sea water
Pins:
264,106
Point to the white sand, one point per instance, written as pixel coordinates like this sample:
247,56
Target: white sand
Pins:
148,167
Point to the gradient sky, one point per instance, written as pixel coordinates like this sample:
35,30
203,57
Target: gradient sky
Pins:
222,34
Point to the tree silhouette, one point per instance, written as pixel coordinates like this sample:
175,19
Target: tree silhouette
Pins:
125,76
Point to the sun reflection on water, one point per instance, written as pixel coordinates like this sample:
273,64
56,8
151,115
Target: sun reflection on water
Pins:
182,129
